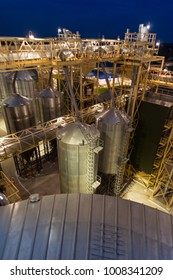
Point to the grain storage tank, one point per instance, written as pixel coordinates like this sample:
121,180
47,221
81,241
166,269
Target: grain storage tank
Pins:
18,113
50,104
114,131
25,82
78,147
112,126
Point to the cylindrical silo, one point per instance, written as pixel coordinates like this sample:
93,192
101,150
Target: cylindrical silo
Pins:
50,104
25,83
112,127
114,131
18,113
78,146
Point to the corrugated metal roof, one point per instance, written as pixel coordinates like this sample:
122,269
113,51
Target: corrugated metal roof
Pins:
82,226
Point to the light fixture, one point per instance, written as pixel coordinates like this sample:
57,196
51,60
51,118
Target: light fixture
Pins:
30,35
148,26
157,43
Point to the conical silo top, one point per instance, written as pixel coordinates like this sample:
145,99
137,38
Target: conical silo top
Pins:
24,75
110,116
78,134
47,93
16,101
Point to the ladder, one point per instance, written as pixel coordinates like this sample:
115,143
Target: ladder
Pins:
9,189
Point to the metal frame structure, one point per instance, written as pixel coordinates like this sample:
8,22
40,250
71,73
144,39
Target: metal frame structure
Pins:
139,60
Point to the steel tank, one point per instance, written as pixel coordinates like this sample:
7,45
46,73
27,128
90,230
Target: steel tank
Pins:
18,113
50,104
25,83
113,126
78,146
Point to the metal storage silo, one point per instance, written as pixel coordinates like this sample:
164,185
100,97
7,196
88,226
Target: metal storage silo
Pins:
25,83
18,113
78,146
114,131
50,104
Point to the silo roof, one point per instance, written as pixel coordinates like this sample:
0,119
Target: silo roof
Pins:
47,93
21,75
78,133
83,226
16,100
110,116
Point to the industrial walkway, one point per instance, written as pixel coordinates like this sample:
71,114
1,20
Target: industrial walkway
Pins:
47,183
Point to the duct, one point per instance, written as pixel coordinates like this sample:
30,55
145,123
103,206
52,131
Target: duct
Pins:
108,84
71,92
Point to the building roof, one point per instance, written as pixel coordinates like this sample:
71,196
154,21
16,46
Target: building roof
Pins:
82,226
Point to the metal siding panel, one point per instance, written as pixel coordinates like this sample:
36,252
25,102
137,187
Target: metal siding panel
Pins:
111,231
57,227
124,229
165,235
29,231
5,219
138,230
43,228
152,245
74,226
70,227
83,230
97,227
15,230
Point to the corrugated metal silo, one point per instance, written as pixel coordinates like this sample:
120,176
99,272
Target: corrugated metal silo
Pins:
77,153
114,131
112,126
18,113
50,104
25,83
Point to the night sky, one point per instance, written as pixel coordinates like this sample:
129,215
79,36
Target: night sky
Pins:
91,18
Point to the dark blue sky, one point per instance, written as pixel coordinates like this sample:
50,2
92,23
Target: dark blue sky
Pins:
91,18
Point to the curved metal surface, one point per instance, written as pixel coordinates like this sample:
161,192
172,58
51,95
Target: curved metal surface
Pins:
50,104
84,227
112,125
77,159
25,83
18,113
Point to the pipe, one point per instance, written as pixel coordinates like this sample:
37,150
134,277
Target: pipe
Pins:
71,92
50,76
108,84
